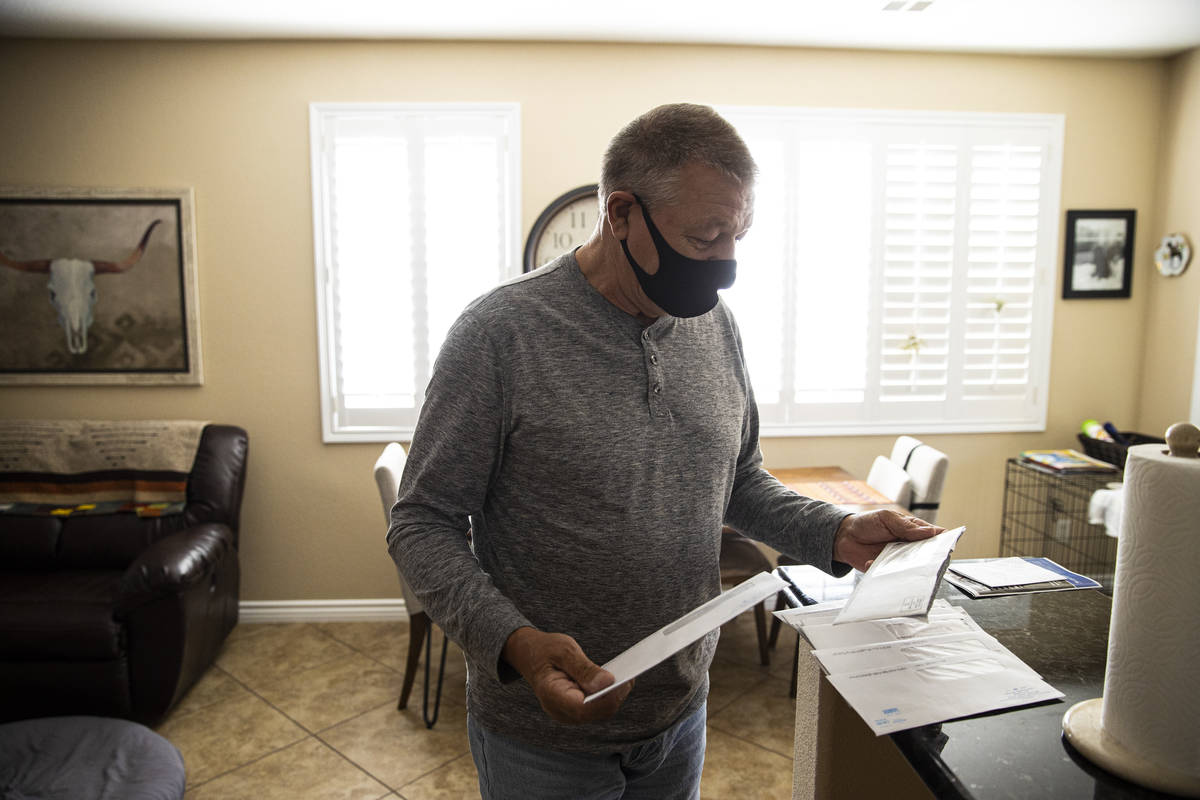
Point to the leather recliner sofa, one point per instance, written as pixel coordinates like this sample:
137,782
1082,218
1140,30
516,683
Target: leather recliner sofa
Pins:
118,615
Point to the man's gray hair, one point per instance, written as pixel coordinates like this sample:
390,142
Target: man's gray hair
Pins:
646,156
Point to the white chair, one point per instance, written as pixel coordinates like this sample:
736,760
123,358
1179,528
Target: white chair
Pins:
927,467
388,469
891,481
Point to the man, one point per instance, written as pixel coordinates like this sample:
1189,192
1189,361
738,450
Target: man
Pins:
592,425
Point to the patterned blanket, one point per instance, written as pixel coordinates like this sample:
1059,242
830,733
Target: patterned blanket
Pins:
62,467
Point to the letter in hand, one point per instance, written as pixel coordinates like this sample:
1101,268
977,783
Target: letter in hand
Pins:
561,676
861,537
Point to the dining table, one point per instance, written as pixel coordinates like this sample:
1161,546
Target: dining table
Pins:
834,485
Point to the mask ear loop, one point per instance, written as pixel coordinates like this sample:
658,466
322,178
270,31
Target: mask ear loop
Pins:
660,241
655,236
637,268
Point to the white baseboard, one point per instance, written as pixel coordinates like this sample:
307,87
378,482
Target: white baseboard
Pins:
252,611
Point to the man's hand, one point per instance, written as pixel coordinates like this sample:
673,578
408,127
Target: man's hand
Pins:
561,676
861,537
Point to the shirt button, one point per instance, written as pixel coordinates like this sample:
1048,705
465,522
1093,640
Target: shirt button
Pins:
653,358
658,388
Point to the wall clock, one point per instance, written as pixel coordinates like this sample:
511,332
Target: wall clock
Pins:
564,225
1173,254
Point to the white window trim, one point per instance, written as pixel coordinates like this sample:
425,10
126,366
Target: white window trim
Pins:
318,112
1046,269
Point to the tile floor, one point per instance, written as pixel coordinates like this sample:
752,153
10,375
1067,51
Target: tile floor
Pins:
307,711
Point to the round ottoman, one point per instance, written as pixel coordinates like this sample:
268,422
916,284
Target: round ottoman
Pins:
87,758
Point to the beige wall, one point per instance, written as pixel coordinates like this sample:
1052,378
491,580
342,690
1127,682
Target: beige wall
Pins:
1167,377
231,120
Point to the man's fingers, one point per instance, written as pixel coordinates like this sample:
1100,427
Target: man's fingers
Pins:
596,679
910,528
861,537
590,677
563,700
566,676
605,707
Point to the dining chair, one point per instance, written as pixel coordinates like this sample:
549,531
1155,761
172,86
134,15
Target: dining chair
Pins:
890,480
927,466
388,469
741,559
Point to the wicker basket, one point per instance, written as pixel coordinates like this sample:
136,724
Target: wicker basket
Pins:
1112,452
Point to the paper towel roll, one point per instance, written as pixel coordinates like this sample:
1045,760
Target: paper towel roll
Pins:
1151,703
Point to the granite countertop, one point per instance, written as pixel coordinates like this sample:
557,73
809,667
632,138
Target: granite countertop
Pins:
1020,754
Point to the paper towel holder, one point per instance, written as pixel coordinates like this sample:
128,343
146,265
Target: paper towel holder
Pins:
1183,440
1082,724
1083,729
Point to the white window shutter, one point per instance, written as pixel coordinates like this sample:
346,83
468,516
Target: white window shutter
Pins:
900,273
415,210
1001,269
920,206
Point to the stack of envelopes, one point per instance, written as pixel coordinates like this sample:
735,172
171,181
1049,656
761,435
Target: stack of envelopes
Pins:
902,672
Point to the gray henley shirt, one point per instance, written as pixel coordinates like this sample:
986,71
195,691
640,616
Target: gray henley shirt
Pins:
593,462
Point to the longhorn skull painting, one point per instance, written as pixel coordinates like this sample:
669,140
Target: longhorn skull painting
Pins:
73,287
97,289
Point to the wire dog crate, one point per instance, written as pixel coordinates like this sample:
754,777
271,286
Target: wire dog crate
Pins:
1046,514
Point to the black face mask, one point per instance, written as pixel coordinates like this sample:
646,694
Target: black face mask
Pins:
682,287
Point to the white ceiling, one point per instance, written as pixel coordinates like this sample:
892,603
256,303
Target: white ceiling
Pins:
1066,27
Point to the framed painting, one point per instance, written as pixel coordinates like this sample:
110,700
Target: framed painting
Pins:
98,286
1098,261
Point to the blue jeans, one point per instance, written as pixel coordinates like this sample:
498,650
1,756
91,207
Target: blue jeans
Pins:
667,767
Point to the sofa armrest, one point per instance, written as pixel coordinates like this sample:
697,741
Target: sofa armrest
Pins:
218,477
174,563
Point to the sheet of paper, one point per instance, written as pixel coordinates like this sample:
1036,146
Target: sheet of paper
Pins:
668,640
1011,571
901,582
909,695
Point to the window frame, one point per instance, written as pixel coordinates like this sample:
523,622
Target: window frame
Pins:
320,114
1048,130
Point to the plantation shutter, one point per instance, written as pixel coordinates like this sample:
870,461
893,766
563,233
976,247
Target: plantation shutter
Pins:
415,214
899,274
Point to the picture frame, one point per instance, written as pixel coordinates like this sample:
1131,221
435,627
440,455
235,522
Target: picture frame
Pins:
98,286
1098,257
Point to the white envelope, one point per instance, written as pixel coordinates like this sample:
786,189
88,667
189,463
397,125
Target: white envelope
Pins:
824,613
818,614
907,651
910,695
670,639
902,580
874,631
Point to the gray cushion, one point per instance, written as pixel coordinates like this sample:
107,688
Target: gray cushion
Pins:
87,758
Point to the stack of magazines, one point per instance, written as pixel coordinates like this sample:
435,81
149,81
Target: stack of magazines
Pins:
1066,461
994,577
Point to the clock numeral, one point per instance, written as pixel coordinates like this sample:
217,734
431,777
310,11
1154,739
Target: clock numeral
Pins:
563,239
579,219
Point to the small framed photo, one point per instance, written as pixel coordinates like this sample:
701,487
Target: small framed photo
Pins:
1098,261
98,286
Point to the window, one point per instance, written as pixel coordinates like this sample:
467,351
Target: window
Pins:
899,275
415,213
